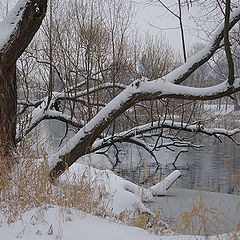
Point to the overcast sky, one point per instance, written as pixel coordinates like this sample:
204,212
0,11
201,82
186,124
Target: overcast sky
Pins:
155,19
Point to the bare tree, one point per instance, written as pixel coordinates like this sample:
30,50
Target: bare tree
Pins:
144,90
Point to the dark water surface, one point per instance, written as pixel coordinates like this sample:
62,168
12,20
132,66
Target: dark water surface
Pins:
215,167
214,170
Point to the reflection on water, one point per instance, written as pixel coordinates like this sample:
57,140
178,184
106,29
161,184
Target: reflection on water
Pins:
206,169
216,167
213,168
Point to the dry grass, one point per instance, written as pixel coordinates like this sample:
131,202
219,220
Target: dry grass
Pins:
28,186
205,217
152,224
234,175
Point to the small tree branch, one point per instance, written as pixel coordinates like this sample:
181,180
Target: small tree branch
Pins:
227,44
48,114
194,62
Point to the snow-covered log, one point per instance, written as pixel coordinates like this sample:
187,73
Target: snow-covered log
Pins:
157,189
123,194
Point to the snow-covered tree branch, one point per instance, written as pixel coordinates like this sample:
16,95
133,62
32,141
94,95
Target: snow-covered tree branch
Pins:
20,25
142,90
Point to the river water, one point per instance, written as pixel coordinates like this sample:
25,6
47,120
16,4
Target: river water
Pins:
215,167
214,170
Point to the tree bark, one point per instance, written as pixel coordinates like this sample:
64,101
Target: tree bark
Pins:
84,145
29,15
8,108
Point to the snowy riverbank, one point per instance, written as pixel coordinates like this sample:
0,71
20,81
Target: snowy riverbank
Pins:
56,223
60,222
210,212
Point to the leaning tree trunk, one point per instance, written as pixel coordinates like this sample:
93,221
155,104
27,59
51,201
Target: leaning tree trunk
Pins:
8,108
23,22
82,142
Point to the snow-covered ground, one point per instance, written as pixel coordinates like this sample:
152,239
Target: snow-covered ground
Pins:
56,223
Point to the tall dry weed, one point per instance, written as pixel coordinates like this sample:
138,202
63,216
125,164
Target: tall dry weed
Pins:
27,186
205,217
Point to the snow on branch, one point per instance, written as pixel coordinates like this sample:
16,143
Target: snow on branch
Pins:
139,131
76,97
186,127
181,73
9,25
135,134
159,89
142,90
27,104
19,27
40,114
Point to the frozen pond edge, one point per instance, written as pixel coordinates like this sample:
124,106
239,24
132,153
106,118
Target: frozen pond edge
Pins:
221,210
